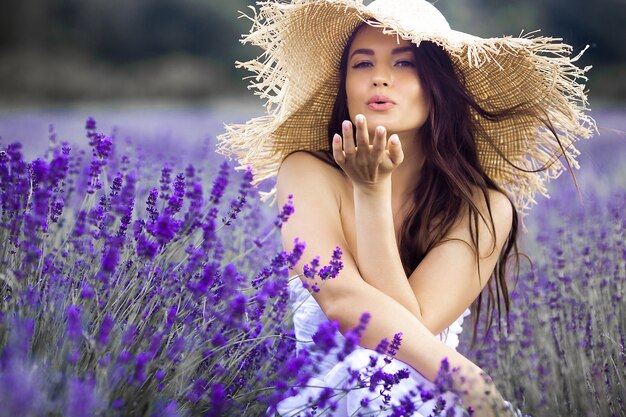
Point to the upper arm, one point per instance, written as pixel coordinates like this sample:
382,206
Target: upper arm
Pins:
316,221
447,280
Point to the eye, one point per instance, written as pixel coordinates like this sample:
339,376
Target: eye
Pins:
362,64
405,63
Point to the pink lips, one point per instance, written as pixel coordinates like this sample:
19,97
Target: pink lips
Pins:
380,103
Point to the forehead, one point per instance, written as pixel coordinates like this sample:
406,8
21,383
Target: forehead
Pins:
373,38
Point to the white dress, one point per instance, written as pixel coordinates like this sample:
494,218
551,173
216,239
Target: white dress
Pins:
307,317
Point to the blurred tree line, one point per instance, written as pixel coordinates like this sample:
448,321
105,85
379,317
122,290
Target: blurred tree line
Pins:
123,31
123,34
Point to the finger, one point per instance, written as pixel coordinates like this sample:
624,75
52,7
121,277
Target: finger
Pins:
337,151
396,154
362,135
348,139
380,139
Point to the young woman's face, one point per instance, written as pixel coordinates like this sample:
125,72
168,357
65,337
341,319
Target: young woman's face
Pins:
382,83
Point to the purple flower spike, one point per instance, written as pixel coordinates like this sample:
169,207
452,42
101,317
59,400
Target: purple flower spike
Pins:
171,317
56,209
298,249
165,181
160,374
141,362
124,357
325,335
395,344
151,205
219,184
286,211
105,329
103,146
39,169
87,291
382,346
218,400
198,390
146,249
353,336
83,401
21,391
74,330
237,307
310,269
444,381
176,349
90,124
110,259
165,229
129,335
237,204
175,202
335,266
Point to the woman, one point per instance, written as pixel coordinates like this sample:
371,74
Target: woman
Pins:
419,140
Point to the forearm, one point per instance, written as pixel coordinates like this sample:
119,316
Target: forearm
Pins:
419,348
377,251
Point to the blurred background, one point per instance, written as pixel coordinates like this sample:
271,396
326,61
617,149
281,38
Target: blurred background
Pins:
55,52
162,73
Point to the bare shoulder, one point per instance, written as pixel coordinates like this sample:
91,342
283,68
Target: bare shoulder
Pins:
500,207
302,160
496,220
305,173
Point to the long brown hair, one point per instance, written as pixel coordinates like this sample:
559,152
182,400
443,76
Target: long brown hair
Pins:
450,174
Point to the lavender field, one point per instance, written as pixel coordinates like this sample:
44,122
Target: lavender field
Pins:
141,275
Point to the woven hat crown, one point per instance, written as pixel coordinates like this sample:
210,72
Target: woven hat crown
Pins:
411,15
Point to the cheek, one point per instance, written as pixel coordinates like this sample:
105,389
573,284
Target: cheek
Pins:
417,93
351,86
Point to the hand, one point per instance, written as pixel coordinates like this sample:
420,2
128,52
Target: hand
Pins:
366,165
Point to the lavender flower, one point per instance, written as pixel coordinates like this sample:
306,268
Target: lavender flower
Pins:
353,336
175,202
90,124
22,390
185,305
237,205
324,338
332,270
151,205
105,330
87,291
286,211
395,344
83,400
199,387
165,229
176,349
74,330
165,182
141,362
219,184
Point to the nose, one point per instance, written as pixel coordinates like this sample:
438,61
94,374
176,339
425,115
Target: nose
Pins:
381,77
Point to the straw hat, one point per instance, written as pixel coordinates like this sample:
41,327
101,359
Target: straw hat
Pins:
298,76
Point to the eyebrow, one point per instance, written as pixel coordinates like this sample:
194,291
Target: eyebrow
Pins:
371,52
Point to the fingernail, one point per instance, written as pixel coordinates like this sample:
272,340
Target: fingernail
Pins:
346,124
336,138
359,118
394,139
380,130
